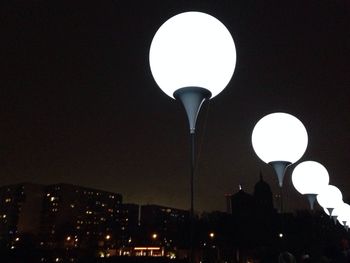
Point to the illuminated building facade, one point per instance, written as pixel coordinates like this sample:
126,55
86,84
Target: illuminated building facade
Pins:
79,217
155,230
20,209
68,222
169,224
130,223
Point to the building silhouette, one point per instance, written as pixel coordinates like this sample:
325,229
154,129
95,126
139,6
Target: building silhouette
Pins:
263,195
243,203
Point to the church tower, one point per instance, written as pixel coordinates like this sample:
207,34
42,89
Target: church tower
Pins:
263,195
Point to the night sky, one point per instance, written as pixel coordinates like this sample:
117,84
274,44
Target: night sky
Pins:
78,103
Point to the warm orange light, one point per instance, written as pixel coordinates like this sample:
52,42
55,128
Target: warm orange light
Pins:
108,237
147,248
154,236
211,235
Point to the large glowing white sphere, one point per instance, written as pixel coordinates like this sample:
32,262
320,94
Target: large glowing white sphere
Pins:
330,197
279,137
310,177
192,49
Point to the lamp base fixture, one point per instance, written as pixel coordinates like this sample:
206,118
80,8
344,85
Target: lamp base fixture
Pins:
192,99
330,211
312,199
280,169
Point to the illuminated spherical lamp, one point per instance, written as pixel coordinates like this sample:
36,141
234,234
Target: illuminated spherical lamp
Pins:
330,197
343,214
192,58
309,178
339,211
279,139
192,49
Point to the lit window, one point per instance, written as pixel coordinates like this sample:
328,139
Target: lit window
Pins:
8,200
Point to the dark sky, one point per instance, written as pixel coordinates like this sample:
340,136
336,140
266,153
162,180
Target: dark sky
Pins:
78,103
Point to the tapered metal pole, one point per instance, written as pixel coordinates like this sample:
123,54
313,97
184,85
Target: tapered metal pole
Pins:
192,99
192,243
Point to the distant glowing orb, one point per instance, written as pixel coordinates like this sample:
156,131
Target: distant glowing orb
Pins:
310,177
279,137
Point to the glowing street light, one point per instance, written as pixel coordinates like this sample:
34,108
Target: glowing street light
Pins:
154,236
330,197
279,139
309,178
192,59
343,214
192,50
338,210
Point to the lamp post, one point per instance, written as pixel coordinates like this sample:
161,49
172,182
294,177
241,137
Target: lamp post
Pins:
338,210
344,215
329,198
279,139
192,59
309,178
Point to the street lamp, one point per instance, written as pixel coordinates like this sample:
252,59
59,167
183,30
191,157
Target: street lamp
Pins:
309,178
279,139
330,197
192,59
338,210
343,214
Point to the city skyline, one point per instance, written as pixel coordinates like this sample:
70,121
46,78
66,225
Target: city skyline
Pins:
79,104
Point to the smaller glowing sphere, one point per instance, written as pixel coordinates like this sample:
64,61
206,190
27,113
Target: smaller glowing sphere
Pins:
330,197
279,137
343,214
310,177
337,210
192,49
